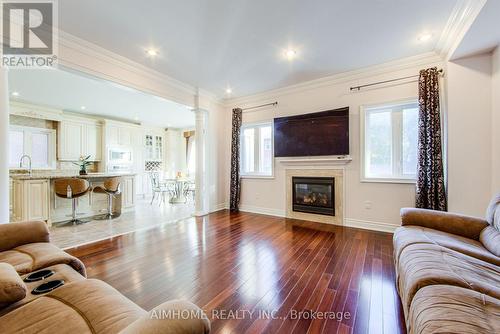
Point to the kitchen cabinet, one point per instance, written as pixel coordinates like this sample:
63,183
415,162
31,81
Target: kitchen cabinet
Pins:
92,142
70,140
78,138
153,144
128,191
118,135
31,200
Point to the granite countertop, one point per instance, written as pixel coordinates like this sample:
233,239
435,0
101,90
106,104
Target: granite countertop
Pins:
56,175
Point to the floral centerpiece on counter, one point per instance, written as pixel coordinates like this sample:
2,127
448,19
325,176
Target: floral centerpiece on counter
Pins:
83,163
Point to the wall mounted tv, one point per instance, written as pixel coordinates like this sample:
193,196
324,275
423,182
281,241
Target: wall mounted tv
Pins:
316,134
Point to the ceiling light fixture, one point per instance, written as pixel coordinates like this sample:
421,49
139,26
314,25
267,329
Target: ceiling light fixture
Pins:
152,52
83,107
15,93
424,37
229,90
290,54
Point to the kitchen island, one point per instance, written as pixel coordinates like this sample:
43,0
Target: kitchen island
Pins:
33,197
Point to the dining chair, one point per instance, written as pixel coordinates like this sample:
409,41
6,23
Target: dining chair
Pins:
159,188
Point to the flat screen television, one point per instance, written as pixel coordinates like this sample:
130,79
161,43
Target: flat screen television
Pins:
315,134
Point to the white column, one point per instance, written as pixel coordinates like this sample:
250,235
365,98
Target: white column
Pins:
201,200
4,146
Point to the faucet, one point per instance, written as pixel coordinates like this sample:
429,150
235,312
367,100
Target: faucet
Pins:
29,160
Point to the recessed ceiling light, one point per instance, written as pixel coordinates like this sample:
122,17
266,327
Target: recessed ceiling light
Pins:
15,93
136,118
83,107
424,37
229,90
290,54
152,52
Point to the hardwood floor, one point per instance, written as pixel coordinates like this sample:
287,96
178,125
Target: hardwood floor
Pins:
257,274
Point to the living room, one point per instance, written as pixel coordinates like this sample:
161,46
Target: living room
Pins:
345,170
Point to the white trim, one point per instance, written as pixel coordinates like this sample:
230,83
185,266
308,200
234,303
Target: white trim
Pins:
370,225
459,22
262,210
362,116
254,125
316,161
219,207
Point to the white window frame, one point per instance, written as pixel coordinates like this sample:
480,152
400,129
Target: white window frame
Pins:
257,175
396,141
27,132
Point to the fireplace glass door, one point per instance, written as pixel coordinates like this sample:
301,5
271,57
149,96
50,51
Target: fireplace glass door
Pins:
314,195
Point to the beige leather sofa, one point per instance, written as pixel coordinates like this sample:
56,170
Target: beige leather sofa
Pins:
448,270
79,306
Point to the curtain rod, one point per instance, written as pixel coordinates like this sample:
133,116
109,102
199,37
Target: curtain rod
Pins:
358,88
262,105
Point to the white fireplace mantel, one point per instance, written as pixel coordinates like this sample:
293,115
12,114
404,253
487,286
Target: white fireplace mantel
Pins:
315,161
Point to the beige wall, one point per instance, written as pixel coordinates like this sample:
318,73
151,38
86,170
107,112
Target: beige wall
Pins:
495,184
469,134
384,199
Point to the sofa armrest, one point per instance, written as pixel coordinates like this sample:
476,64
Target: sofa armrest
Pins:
465,226
13,235
172,317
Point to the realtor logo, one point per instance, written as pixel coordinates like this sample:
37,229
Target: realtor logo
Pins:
28,34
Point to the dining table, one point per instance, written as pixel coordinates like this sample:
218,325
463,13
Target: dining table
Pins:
177,188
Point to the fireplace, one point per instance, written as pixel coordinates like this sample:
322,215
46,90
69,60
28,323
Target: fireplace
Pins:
314,195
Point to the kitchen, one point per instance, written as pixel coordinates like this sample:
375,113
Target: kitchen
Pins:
61,118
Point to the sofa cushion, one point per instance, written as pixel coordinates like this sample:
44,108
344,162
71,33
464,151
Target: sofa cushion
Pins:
493,212
31,257
490,238
12,288
409,235
87,306
443,308
17,234
421,265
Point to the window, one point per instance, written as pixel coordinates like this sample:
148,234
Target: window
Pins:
389,142
256,150
38,143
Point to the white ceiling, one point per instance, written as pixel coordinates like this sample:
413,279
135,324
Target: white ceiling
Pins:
70,91
239,43
484,34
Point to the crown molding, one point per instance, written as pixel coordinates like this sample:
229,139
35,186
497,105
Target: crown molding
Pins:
344,77
85,47
463,15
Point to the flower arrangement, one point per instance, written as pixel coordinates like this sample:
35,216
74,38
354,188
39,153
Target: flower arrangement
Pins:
83,162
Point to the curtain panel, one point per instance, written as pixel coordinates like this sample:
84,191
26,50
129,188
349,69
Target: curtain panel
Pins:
430,188
235,188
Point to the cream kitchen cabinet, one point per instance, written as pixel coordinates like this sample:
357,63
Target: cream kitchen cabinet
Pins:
31,200
79,138
127,187
119,135
92,142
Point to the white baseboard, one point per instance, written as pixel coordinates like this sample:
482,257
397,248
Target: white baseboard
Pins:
219,207
348,222
370,225
263,211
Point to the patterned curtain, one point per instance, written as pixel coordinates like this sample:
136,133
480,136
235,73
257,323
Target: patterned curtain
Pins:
234,197
430,192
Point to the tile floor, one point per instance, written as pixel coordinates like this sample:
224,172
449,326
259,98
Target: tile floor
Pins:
145,216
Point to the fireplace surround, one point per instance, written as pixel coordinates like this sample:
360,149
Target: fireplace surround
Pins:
320,172
313,195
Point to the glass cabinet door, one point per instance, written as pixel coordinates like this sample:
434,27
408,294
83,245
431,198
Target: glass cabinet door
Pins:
158,147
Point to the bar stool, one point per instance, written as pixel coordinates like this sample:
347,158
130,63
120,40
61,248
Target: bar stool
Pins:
111,187
72,188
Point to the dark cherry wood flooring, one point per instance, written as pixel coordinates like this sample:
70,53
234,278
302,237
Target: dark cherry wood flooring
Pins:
258,274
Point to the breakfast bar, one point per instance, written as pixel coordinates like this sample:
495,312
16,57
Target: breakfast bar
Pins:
34,197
